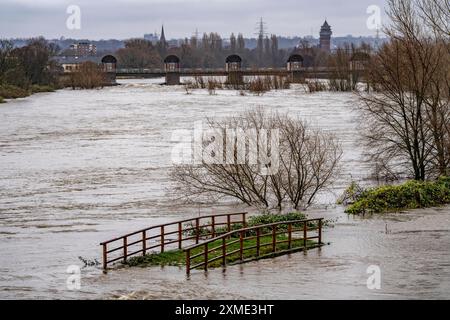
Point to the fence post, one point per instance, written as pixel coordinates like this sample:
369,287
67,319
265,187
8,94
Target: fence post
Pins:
290,235
125,249
224,251
144,243
180,235
241,245
206,257
188,261
244,220
274,238
105,257
258,240
320,231
213,226
305,231
162,239
197,230
228,224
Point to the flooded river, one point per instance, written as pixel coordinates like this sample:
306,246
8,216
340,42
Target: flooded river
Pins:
79,167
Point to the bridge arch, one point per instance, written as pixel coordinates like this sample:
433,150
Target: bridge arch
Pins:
172,63
109,63
295,62
233,63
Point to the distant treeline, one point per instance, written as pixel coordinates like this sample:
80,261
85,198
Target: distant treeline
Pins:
284,42
210,52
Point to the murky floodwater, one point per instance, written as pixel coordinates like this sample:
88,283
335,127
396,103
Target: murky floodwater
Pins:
78,167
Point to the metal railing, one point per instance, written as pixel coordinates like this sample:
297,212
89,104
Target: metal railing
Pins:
169,235
269,235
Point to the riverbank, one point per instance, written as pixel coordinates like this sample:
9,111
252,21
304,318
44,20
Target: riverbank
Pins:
15,92
407,196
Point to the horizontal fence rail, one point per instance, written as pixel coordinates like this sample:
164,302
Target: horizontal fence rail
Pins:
174,235
294,235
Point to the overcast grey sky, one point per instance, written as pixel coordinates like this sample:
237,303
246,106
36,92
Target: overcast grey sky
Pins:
123,19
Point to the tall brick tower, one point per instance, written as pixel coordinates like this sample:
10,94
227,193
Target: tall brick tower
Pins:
325,37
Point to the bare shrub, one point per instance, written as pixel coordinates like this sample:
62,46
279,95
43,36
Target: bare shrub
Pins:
88,76
316,86
307,163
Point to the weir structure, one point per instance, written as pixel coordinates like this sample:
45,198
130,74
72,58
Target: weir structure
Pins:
234,71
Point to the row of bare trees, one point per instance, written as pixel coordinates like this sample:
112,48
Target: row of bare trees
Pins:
407,117
303,161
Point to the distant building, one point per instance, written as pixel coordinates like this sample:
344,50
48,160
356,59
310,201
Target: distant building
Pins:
152,37
72,63
83,49
325,37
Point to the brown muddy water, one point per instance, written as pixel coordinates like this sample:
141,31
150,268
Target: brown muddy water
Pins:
79,167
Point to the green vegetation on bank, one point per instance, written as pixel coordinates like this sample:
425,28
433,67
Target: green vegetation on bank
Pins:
8,91
409,195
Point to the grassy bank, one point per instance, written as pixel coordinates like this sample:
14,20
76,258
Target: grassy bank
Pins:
178,257
13,92
410,195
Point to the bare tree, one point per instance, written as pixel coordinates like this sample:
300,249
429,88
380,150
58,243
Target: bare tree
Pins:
407,118
292,170
436,14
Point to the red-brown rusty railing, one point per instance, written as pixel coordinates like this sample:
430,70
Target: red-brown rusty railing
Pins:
255,233
192,230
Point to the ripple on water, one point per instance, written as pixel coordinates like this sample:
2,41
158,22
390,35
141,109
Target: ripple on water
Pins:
79,167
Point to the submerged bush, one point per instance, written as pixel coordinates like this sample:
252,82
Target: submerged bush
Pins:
88,76
352,194
410,195
316,86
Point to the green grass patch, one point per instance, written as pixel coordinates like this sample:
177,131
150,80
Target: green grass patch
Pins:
178,257
410,195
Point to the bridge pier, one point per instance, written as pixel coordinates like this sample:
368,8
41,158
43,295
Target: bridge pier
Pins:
294,67
172,68
172,78
233,66
235,78
296,76
110,79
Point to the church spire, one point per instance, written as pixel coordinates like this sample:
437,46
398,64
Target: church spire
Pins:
162,39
